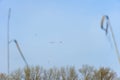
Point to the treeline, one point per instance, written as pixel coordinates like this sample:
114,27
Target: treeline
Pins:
64,73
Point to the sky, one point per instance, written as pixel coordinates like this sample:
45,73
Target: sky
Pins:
59,33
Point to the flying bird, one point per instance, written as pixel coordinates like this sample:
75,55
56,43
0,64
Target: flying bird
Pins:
53,42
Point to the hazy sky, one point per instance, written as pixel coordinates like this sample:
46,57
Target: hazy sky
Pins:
59,33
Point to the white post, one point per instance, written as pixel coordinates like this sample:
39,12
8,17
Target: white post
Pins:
8,58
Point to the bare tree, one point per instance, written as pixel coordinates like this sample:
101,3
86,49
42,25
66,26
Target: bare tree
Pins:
104,74
86,72
65,73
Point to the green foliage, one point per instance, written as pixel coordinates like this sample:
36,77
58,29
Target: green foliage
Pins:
65,73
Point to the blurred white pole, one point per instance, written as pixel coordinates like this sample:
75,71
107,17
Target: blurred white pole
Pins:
8,61
20,51
113,37
8,42
115,44
18,47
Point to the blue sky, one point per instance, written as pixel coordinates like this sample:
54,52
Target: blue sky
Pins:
37,23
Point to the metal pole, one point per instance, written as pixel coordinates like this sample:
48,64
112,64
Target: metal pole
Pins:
113,37
115,44
8,57
19,50
18,47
